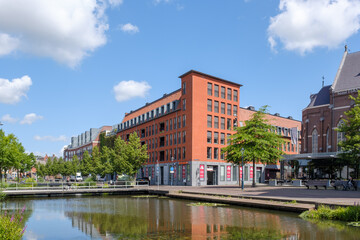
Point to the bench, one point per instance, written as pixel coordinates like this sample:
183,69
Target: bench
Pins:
317,183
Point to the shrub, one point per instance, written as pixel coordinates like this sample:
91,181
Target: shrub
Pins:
11,226
348,214
30,180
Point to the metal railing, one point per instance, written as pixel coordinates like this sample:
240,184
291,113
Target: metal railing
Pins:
73,185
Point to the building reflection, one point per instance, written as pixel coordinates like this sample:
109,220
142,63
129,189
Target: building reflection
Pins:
151,218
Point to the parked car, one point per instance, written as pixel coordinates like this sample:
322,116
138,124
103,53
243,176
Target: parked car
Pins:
143,181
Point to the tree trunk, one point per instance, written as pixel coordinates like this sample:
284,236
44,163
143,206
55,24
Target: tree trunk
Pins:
240,177
254,175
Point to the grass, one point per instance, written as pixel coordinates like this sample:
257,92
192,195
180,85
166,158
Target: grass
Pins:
346,214
291,202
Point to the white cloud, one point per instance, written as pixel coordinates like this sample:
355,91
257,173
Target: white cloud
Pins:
129,28
30,118
12,91
303,25
126,90
61,152
8,118
7,44
64,30
61,138
160,1
115,2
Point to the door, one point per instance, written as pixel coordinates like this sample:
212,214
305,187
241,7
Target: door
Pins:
258,175
210,178
161,175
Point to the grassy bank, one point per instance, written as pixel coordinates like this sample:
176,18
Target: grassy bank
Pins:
346,214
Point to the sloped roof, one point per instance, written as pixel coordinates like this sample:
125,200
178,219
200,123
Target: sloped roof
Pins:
348,76
321,98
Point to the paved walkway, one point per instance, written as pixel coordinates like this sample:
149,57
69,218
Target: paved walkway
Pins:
300,194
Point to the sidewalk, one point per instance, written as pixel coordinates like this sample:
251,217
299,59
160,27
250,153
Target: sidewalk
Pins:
279,193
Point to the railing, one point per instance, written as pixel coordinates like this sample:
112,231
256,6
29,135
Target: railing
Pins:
74,185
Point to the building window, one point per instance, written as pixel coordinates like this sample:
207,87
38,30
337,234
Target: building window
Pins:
170,136
222,138
179,122
179,153
228,139
174,153
222,173
222,123
184,120
229,94
209,121
228,123
216,122
209,105
216,90
184,136
222,108
174,122
167,140
167,125
184,88
179,137
216,106
327,140
170,124
235,174
209,137
314,141
288,146
235,95
174,137
229,109
216,137
235,110
246,173
184,153
209,89
340,135
184,104
223,92
208,152
216,153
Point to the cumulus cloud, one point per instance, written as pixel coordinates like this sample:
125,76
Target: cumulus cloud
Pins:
64,30
8,118
30,118
61,138
303,25
129,28
12,91
126,90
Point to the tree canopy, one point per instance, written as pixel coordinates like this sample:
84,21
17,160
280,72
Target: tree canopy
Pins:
350,148
256,141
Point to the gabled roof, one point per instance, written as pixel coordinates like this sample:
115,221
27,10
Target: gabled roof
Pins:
321,98
348,75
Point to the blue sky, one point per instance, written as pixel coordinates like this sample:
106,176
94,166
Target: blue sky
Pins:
70,65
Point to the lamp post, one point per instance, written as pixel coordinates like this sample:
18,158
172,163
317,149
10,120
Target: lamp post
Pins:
242,168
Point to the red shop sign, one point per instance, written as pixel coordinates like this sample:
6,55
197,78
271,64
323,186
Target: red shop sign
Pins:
241,173
251,172
202,171
183,171
228,173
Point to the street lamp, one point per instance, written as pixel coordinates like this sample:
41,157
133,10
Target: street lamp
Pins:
242,168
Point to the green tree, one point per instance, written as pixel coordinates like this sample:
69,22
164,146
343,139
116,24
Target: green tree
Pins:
96,161
135,153
254,142
75,165
350,148
86,164
107,167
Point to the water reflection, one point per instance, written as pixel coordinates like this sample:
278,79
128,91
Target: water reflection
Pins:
116,217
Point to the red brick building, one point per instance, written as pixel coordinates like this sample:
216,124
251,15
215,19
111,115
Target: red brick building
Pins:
186,129
325,113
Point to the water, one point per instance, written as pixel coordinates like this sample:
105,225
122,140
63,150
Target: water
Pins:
119,217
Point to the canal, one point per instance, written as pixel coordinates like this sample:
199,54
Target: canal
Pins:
139,217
